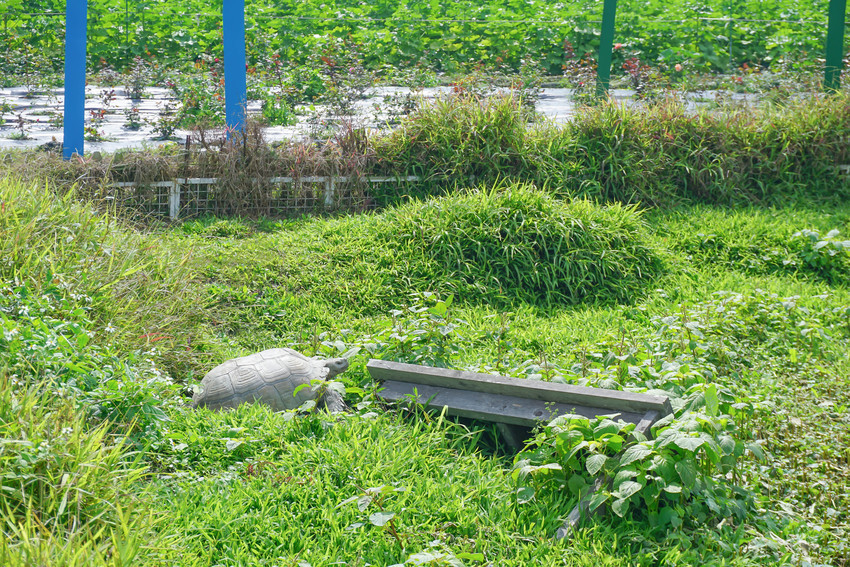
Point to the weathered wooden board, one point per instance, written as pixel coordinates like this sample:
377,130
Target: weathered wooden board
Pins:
549,392
499,408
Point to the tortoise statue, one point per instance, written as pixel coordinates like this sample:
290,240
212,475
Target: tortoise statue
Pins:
270,377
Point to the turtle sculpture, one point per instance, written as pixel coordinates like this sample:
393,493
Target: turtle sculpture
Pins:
270,377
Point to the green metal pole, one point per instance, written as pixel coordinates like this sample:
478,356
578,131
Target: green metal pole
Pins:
606,47
834,45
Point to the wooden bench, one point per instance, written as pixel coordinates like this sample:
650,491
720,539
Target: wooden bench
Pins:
514,405
510,401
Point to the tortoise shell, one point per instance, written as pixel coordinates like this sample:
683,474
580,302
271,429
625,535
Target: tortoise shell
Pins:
269,377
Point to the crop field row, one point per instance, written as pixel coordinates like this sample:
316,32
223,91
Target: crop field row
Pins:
441,36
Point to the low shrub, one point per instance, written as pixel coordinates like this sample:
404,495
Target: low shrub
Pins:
698,465
517,242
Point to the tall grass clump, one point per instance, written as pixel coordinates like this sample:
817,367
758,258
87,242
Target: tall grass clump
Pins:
77,394
68,492
143,293
515,241
457,137
663,155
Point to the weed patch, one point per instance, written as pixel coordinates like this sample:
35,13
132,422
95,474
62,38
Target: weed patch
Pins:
58,247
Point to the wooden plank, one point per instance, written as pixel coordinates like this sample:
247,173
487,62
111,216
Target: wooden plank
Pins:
608,400
497,408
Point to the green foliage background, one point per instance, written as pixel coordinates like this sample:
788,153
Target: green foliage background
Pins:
445,36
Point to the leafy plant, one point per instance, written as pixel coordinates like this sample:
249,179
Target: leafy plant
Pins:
345,79
169,119
375,497
423,333
693,467
276,111
827,255
137,78
133,117
22,126
5,108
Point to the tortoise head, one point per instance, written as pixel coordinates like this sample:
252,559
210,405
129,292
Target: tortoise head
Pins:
335,366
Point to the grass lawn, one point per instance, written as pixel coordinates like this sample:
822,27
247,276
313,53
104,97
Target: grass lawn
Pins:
741,315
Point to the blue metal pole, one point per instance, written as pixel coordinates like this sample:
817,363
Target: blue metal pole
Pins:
75,77
235,86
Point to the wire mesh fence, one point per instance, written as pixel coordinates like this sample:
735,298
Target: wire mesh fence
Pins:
275,197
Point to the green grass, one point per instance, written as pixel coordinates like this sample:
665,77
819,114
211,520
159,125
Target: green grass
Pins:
96,316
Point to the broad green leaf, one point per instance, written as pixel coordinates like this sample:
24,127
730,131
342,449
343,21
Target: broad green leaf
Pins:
597,500
689,443
622,476
673,489
687,472
576,484
576,449
666,437
381,518
727,445
756,450
712,403
595,463
605,426
635,453
620,506
549,467
350,352
524,494
711,448
364,501
347,501
613,442
299,388
668,516
628,488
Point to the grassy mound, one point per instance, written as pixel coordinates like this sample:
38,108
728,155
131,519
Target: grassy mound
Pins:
521,243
